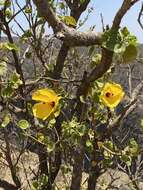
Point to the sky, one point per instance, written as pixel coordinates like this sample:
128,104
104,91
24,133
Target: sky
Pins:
108,8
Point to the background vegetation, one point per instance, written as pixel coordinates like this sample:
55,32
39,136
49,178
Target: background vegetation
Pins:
84,139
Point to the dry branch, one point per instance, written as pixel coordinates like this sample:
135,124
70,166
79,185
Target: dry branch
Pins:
68,35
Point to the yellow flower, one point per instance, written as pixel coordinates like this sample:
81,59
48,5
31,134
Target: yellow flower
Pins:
48,102
112,94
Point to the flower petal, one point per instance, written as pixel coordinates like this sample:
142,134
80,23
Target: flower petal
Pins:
44,95
42,110
115,94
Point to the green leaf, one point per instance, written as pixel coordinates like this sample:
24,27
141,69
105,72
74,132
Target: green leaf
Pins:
107,162
109,145
42,181
13,83
69,20
62,5
142,123
125,31
35,185
111,39
28,55
28,10
96,97
26,35
50,146
40,137
65,169
88,143
1,45
23,124
10,46
52,121
96,59
127,37
8,13
57,113
2,2
133,147
81,130
99,84
130,53
7,3
15,80
5,121
3,68
127,159
82,99
117,40
82,1
7,92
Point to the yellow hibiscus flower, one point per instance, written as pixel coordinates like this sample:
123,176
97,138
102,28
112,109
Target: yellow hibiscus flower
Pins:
48,102
112,94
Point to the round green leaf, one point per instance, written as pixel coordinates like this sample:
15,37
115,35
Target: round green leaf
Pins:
130,53
6,121
23,124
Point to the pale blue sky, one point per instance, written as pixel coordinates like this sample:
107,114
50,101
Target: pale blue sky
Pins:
108,8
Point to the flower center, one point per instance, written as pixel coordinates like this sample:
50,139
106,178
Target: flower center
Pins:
109,94
52,104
